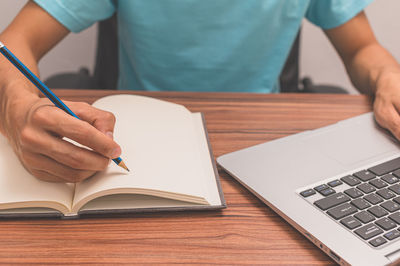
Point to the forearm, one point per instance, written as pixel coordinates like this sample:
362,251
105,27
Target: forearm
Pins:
19,46
371,67
29,41
14,86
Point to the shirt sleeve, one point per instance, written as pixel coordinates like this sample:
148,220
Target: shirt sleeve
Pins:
77,15
329,14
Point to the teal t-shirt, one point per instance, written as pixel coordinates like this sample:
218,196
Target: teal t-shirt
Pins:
203,45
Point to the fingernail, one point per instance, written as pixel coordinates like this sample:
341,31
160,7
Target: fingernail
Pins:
110,134
116,153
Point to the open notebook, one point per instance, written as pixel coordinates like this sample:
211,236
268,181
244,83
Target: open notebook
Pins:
165,146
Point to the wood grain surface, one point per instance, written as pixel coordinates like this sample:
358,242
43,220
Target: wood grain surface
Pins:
247,232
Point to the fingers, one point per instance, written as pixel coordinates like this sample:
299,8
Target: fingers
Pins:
49,170
44,176
387,115
102,120
38,140
64,125
62,151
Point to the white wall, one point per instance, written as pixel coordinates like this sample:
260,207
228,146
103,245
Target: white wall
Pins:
318,58
74,52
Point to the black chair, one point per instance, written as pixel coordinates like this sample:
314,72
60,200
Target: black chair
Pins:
290,80
106,68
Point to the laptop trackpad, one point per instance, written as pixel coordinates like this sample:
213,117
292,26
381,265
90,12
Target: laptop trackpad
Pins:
352,142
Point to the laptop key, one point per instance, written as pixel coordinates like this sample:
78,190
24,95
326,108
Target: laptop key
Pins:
378,241
321,187
390,206
335,183
351,222
378,183
364,175
364,217
354,193
368,231
361,204
397,200
386,223
392,235
395,217
366,188
385,193
386,167
396,173
342,211
327,192
373,198
350,180
395,188
377,211
307,193
331,201
390,179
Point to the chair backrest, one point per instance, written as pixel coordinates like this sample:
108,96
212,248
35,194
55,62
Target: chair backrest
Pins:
289,78
106,66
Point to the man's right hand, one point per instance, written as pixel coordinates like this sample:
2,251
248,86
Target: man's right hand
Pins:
34,126
37,130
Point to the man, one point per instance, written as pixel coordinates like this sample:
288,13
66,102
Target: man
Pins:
207,45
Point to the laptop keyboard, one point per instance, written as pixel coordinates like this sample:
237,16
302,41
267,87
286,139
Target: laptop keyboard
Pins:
366,202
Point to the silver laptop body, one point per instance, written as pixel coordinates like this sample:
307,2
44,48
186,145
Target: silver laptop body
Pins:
279,171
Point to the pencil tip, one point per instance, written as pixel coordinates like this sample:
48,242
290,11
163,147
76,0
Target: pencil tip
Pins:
122,164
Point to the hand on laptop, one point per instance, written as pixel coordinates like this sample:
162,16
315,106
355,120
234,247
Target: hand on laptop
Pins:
372,69
387,102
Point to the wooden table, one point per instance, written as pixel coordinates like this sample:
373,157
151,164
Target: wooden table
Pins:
247,232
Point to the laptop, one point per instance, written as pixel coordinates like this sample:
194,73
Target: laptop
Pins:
338,185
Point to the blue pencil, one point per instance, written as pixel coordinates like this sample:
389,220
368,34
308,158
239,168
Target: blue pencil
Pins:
44,89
